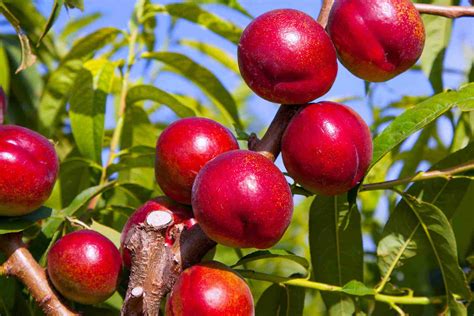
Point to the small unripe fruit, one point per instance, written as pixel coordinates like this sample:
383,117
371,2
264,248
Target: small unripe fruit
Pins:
210,289
84,267
376,39
28,170
327,148
286,57
183,149
180,214
241,199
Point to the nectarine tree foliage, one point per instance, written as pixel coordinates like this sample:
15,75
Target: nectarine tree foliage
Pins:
193,213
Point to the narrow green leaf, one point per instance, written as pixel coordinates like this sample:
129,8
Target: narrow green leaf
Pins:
52,18
272,254
357,288
80,201
233,4
5,73
132,161
416,118
77,24
87,111
438,34
75,4
335,240
110,233
148,92
20,223
202,77
214,52
279,300
402,237
467,95
60,82
440,235
194,13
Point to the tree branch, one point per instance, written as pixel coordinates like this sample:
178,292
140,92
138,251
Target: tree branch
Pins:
451,12
447,174
157,264
324,13
270,144
23,266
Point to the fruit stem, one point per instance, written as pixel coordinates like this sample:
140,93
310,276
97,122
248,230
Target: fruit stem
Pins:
324,13
451,12
299,282
448,174
21,264
270,144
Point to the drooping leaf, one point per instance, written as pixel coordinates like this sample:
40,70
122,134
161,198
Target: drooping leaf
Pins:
77,24
214,52
75,4
272,254
202,77
58,217
279,300
194,13
416,118
55,11
20,223
148,92
87,111
335,240
233,4
402,237
440,236
60,83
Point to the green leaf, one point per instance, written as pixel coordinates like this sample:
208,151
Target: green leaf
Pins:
75,4
438,34
467,95
20,223
80,201
77,24
5,73
214,52
335,240
233,4
416,118
110,233
52,18
402,237
129,162
357,288
202,77
272,254
87,111
440,235
61,81
279,300
148,92
194,13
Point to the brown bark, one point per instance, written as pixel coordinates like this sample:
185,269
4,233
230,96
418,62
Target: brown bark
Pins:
156,265
23,266
451,12
270,144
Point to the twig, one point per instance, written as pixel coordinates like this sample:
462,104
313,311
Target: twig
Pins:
451,12
324,13
156,265
299,282
23,266
447,174
270,144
